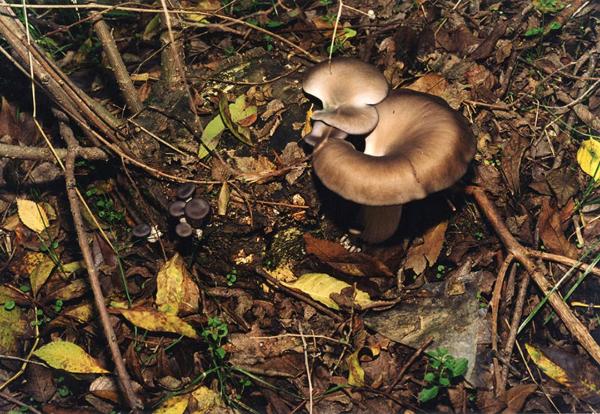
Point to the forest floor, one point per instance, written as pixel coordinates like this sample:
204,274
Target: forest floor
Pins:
486,298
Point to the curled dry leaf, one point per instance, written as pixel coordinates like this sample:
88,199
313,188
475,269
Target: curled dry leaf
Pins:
424,255
69,357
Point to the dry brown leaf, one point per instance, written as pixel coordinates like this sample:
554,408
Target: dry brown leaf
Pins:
424,255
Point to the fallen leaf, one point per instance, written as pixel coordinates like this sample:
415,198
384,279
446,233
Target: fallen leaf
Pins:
207,401
515,397
319,286
549,225
174,405
240,117
424,255
356,374
159,322
175,290
336,256
41,272
12,326
588,157
69,357
570,370
32,215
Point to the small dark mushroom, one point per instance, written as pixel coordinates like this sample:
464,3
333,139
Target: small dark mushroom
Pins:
176,208
186,190
141,230
183,229
196,211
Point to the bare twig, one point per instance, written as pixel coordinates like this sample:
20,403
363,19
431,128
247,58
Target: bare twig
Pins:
410,361
116,62
574,325
45,154
13,400
567,261
495,305
84,244
308,373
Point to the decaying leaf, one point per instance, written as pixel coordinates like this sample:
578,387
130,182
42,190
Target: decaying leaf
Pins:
588,157
424,255
320,287
176,292
551,233
69,357
207,401
336,256
571,371
356,374
158,322
41,272
174,405
32,215
12,326
224,194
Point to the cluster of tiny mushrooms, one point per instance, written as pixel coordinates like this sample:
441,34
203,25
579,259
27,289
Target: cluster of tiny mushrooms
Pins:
189,211
415,143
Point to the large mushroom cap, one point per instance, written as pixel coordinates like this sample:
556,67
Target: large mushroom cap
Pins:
420,146
347,88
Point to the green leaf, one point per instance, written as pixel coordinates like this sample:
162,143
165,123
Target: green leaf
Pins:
534,31
211,136
429,377
460,367
444,381
428,394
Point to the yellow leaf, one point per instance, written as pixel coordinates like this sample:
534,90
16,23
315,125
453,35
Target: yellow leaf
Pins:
176,291
82,312
588,157
174,405
207,400
547,365
356,375
159,322
320,286
32,215
69,357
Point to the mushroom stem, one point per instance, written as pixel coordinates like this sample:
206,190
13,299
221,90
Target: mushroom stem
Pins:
379,222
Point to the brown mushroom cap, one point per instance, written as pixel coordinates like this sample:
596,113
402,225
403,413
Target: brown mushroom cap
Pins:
320,131
176,208
186,190
141,230
347,88
183,229
420,146
196,210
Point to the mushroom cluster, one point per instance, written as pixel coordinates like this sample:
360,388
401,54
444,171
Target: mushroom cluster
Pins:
190,211
415,143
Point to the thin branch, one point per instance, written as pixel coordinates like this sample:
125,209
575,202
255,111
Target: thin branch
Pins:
45,154
84,245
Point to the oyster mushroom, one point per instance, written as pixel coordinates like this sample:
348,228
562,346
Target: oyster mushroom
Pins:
419,146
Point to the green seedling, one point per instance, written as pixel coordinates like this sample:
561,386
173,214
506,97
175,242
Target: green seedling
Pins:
443,370
231,277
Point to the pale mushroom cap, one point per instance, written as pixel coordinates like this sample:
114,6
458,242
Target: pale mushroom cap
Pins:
345,81
420,146
354,120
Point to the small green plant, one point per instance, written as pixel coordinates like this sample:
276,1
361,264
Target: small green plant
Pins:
442,370
441,269
9,305
58,305
231,277
215,334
